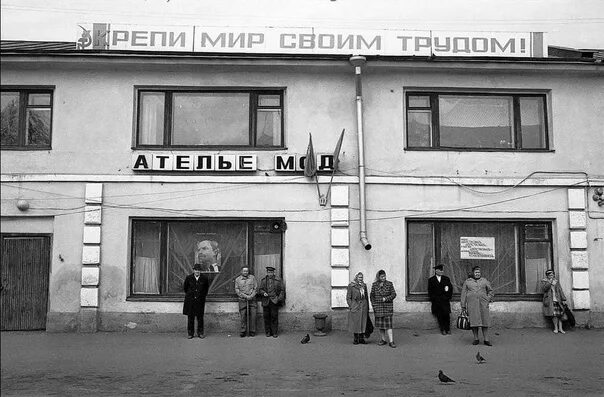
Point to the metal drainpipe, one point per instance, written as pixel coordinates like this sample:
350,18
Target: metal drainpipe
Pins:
358,62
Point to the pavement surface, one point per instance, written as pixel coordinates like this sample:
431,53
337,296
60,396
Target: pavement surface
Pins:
521,362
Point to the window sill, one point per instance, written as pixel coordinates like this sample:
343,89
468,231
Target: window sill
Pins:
447,149
498,298
209,148
176,298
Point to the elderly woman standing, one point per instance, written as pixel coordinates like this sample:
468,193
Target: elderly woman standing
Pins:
476,294
553,299
382,295
358,311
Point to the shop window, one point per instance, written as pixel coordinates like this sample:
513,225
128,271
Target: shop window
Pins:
476,121
232,119
164,252
513,256
26,116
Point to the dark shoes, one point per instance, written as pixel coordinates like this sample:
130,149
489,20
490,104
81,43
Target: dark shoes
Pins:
476,341
268,334
392,344
190,336
443,332
275,335
382,343
252,334
487,343
201,336
242,334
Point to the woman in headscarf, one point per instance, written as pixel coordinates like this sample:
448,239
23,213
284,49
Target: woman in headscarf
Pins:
553,299
476,294
382,295
358,311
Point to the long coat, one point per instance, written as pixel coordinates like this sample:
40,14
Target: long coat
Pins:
382,297
195,294
548,296
475,297
277,295
440,294
358,311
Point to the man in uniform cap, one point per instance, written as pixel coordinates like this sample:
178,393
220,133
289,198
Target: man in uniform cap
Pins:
272,292
196,289
440,291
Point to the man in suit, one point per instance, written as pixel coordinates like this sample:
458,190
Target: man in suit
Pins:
272,292
196,287
440,291
208,254
246,288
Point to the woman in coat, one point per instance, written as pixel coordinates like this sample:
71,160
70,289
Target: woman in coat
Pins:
553,299
476,294
358,311
382,295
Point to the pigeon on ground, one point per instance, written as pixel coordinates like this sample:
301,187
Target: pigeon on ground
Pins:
305,340
444,378
480,358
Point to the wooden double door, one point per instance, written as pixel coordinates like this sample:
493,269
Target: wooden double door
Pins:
24,270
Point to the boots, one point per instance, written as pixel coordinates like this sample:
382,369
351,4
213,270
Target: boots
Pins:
362,339
356,339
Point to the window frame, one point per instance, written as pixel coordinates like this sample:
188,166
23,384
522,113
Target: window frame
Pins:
520,241
435,119
179,297
24,92
168,92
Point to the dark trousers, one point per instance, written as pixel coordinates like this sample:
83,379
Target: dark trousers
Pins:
444,320
243,315
271,318
191,323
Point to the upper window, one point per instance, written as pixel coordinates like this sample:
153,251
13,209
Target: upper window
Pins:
513,256
476,121
180,119
26,119
164,252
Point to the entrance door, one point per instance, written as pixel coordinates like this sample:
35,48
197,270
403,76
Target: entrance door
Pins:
24,268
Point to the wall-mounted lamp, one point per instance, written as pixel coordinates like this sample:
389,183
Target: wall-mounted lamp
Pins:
23,205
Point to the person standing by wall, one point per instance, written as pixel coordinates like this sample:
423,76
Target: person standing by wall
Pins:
476,295
440,291
553,299
358,308
273,296
382,295
246,288
196,287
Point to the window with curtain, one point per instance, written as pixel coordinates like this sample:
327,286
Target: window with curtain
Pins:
164,252
209,118
492,121
513,255
25,118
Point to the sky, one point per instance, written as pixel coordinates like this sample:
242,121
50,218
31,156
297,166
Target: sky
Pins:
568,23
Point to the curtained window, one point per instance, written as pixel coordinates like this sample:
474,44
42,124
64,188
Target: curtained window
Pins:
164,252
513,256
209,118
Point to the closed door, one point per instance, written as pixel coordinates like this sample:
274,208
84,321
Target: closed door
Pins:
24,267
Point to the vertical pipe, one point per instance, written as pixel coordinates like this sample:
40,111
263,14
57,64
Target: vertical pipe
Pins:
358,62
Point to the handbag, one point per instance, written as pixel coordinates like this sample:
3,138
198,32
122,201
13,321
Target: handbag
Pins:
463,322
570,317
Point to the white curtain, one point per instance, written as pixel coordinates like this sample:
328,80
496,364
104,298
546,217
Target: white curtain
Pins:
146,275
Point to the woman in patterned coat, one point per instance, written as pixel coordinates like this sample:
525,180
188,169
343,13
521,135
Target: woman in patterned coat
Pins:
382,295
553,300
476,295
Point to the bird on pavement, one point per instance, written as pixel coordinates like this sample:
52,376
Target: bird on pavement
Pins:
480,358
444,378
305,340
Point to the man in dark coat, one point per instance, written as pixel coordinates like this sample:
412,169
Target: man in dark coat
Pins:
440,291
196,289
272,292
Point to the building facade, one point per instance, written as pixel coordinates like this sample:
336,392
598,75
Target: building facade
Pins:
120,170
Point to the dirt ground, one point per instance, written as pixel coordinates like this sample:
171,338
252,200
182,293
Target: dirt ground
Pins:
521,362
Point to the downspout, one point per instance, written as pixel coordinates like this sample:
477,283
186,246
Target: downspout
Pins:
358,62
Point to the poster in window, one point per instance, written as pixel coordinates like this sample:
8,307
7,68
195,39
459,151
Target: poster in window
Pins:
477,247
